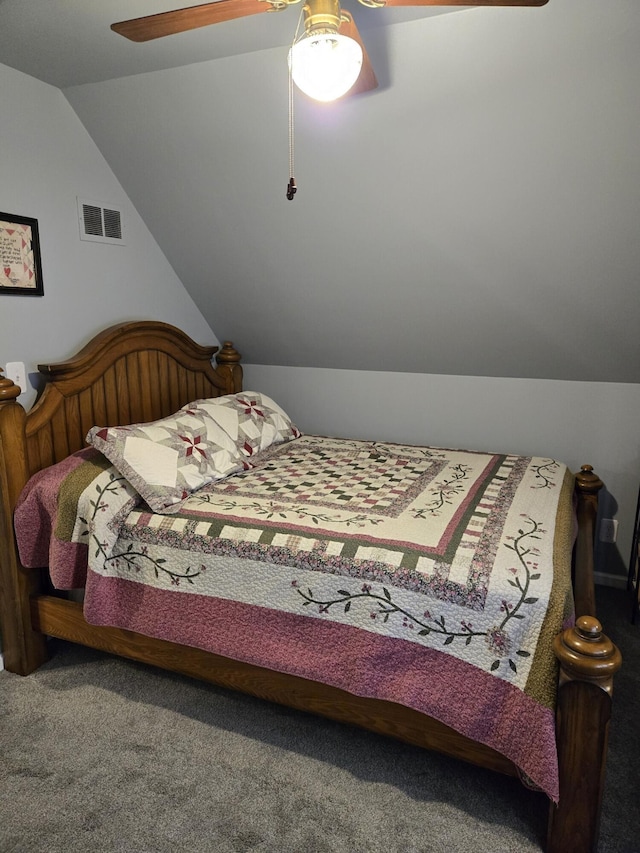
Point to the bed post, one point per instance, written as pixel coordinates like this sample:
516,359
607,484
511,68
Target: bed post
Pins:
23,648
588,661
228,366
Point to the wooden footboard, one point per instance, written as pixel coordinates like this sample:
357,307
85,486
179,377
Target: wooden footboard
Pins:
143,371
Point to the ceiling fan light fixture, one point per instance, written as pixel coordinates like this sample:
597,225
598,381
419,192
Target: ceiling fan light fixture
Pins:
325,65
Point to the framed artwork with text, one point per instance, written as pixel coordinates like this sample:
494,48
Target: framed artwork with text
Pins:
20,264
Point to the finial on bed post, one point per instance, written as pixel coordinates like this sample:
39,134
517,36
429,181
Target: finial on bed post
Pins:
12,439
586,654
228,366
588,483
8,389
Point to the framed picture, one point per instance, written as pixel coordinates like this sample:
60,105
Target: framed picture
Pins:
20,265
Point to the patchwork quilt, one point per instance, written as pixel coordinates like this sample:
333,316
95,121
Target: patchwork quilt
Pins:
430,577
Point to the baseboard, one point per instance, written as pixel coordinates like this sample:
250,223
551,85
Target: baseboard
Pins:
604,579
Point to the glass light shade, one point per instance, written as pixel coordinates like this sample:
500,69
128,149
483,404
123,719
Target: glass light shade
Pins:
325,66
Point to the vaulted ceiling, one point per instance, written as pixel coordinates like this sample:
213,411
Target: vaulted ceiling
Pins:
476,214
69,42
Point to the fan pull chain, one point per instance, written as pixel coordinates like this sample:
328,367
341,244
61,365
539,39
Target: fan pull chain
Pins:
291,186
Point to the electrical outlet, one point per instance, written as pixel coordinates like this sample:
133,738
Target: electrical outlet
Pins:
609,530
16,372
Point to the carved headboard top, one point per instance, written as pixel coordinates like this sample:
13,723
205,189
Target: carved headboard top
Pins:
129,373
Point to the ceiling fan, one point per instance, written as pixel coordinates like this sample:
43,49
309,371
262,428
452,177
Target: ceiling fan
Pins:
322,19
327,62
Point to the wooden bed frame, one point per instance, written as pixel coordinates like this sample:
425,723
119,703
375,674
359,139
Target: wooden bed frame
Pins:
142,371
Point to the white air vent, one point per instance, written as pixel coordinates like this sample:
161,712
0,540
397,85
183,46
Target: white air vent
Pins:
100,222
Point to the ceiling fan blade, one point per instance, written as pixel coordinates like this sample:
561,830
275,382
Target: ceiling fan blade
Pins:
367,79
466,2
182,20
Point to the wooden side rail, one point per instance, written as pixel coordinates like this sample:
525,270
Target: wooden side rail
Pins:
64,619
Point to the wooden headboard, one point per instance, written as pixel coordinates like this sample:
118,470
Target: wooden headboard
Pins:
130,373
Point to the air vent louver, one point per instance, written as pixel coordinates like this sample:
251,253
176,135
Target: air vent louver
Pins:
100,223
112,223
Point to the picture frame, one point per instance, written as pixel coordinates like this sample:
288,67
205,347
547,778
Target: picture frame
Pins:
20,263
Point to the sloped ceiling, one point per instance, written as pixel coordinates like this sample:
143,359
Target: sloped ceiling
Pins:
69,42
477,214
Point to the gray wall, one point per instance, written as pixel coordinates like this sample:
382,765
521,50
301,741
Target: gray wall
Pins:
470,224
47,160
477,214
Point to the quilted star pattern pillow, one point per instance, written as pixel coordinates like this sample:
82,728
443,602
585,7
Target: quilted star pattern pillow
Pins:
166,460
252,420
